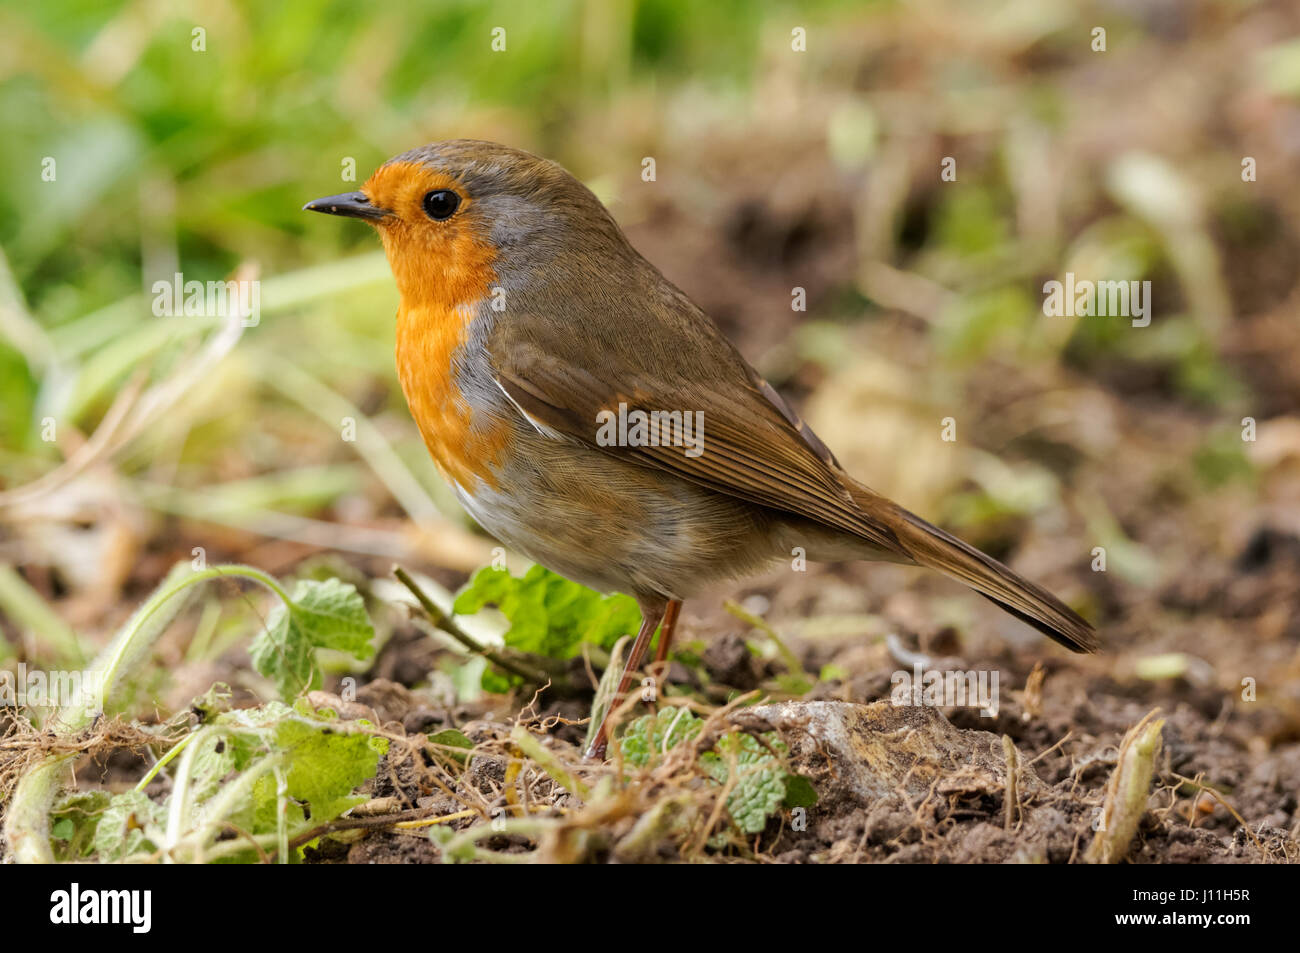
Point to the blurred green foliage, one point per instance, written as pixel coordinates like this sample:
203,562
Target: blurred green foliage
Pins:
219,148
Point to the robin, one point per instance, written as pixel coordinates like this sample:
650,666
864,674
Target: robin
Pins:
591,417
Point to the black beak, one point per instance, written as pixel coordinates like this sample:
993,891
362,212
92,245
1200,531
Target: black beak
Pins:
349,204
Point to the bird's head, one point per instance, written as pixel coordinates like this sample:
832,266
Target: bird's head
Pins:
460,216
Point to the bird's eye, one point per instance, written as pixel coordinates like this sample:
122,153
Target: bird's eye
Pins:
441,204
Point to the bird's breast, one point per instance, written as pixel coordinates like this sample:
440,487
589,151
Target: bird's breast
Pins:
467,442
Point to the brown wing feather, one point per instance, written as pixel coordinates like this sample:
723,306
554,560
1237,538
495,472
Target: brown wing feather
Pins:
751,451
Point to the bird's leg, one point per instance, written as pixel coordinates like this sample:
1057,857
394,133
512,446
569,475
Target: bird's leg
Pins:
652,610
667,628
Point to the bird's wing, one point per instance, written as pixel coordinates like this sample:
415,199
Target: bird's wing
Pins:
751,445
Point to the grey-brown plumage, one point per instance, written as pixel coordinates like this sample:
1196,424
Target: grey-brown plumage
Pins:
567,322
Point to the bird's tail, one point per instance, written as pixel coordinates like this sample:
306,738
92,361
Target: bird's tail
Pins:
931,547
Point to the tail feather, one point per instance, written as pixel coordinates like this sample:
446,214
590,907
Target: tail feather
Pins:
929,546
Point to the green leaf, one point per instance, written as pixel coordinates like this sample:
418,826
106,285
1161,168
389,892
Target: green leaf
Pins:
130,824
549,615
799,792
760,781
329,614
762,785
497,683
452,738
74,820
326,766
215,759
17,397
649,736
325,762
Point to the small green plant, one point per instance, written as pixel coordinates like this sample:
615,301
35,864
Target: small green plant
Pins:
270,773
263,772
762,785
328,614
549,615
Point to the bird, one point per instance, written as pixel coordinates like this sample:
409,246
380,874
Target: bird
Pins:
591,417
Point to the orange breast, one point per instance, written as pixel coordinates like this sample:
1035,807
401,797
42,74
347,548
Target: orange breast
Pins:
443,271
443,274
463,447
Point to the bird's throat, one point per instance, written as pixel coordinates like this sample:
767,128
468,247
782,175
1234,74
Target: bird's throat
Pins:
439,271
